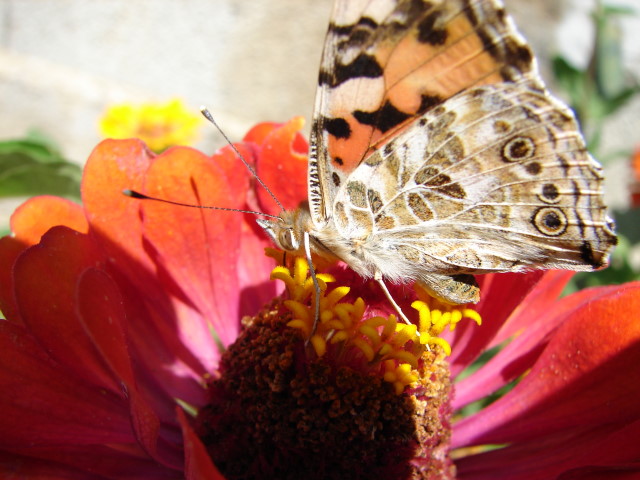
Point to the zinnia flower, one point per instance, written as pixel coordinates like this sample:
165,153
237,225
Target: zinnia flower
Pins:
144,340
159,125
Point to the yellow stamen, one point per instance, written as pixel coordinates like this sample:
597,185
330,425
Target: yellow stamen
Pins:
396,347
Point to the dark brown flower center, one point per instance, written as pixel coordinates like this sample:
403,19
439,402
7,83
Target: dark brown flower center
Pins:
279,411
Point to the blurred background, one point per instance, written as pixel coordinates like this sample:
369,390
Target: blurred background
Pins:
65,63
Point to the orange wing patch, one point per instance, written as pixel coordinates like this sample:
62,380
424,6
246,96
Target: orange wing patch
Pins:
420,75
395,61
384,74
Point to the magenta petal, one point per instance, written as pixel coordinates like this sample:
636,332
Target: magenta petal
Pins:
598,452
501,295
48,407
530,323
254,270
580,380
198,464
534,304
101,310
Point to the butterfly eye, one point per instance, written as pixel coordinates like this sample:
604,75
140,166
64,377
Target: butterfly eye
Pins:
287,240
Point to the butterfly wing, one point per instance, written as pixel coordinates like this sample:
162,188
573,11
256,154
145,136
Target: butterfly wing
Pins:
438,153
495,179
387,62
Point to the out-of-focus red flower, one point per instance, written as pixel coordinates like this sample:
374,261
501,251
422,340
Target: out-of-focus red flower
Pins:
634,187
117,314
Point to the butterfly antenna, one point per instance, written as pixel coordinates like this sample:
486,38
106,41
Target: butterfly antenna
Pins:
142,196
209,117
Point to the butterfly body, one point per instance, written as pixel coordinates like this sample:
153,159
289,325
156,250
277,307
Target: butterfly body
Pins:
437,153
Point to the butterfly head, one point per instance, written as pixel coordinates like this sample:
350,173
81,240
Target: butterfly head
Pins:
288,230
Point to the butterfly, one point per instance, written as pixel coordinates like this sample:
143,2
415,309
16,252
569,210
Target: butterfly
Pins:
437,153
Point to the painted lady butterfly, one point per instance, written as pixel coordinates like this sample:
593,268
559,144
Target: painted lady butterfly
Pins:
437,153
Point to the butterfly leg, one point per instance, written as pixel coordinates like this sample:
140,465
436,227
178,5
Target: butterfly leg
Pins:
378,278
316,285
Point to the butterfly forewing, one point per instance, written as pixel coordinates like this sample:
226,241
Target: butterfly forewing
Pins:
385,63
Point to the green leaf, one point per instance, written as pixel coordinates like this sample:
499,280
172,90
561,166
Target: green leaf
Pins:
575,83
31,167
570,78
621,99
618,10
35,179
606,60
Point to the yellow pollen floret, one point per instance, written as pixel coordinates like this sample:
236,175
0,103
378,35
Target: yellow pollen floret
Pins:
382,342
433,321
399,375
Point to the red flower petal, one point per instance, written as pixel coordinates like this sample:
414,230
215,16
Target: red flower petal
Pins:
197,247
51,269
259,132
33,218
576,394
100,306
501,294
115,165
10,250
282,166
608,453
47,407
91,462
198,464
253,266
530,324
116,226
28,223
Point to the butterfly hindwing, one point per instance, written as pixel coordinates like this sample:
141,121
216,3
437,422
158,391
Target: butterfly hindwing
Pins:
495,179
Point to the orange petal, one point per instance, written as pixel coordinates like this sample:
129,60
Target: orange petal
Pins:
282,166
198,247
38,214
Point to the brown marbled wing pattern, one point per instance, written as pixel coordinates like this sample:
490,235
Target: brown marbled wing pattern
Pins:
387,62
495,179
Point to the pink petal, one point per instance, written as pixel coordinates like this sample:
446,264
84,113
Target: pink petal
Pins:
580,380
501,294
530,323
198,464
48,406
